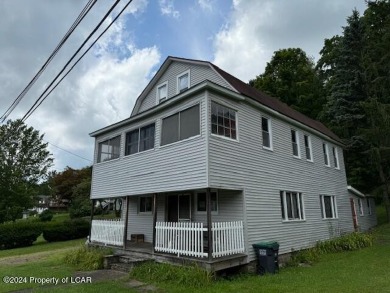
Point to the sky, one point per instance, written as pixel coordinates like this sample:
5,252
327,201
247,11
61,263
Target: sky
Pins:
239,36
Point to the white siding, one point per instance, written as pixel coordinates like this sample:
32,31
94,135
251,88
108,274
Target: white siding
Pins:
178,166
198,73
263,174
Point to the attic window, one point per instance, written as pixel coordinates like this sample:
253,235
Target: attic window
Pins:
183,81
109,149
162,92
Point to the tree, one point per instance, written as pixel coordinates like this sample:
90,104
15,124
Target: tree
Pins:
24,160
292,77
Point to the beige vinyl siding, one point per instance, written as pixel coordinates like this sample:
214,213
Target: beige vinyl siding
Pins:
262,174
198,73
177,166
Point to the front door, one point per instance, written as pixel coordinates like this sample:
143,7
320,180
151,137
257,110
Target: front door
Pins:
179,208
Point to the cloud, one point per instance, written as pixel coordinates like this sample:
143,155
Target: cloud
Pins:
255,29
168,8
206,5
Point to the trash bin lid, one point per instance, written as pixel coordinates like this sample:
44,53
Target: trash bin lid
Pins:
267,244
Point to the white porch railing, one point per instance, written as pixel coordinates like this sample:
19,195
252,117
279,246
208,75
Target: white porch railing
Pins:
108,231
187,238
228,238
183,238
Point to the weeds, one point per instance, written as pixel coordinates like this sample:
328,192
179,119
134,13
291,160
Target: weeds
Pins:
87,258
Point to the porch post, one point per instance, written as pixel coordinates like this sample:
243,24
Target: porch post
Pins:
209,224
126,222
154,219
90,227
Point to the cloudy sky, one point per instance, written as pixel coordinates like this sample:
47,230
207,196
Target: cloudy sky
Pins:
239,36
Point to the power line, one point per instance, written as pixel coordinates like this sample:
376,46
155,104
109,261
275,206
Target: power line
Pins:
78,20
40,99
67,151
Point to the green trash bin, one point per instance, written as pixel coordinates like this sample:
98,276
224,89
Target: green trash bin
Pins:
267,257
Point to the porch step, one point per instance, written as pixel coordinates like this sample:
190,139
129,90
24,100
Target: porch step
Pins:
126,263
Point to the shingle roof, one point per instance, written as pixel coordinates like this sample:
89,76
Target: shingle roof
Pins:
274,103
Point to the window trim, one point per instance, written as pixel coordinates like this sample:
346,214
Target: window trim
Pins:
333,202
139,138
336,158
178,111
269,125
301,207
310,147
98,142
139,205
360,207
205,212
297,142
369,208
178,79
158,100
325,151
235,119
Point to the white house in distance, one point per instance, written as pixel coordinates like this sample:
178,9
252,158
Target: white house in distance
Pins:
207,166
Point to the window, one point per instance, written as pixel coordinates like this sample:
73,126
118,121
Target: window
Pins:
335,158
266,132
183,81
326,154
162,92
308,150
140,139
201,201
292,206
369,206
360,203
223,121
109,149
295,143
328,207
145,204
181,125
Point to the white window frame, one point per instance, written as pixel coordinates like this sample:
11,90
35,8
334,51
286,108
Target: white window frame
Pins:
204,212
335,158
178,79
139,204
369,208
235,119
297,142
98,159
360,206
301,206
309,146
139,139
333,203
327,164
269,124
158,99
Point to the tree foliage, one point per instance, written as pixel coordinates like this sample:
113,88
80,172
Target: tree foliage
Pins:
24,160
291,76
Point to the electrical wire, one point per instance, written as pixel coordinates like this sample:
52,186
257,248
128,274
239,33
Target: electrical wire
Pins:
28,114
78,20
67,151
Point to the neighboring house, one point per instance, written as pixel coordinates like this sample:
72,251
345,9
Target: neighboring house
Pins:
363,210
203,149
42,203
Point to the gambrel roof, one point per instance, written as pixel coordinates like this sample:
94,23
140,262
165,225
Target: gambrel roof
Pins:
244,89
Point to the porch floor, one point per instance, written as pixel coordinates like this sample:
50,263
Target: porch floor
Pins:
145,250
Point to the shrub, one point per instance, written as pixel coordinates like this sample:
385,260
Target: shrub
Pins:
190,276
66,230
305,256
87,258
46,215
19,234
352,241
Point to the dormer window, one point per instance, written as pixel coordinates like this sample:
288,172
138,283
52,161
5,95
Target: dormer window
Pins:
162,92
183,81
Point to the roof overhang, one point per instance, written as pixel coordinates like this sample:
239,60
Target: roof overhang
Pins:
355,191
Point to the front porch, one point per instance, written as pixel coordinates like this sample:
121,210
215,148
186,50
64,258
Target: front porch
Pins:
187,239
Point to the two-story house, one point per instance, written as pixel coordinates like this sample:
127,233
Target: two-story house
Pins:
207,165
